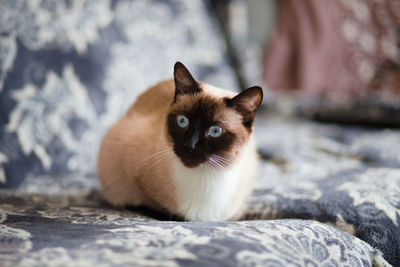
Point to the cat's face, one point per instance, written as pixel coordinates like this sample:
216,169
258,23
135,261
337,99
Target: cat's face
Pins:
205,129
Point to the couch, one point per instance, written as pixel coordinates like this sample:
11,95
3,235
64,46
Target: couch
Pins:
326,194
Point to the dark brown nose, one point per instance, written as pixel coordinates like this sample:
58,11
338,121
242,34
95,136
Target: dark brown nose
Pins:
189,150
191,145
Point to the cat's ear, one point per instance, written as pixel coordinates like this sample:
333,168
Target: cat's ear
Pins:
184,81
246,104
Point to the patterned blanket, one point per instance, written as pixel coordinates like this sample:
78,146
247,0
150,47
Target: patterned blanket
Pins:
343,177
62,231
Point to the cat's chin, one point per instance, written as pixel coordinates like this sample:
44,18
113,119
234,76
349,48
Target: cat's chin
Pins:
191,162
191,165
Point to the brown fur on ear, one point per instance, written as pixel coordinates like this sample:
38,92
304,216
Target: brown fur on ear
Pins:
246,104
184,81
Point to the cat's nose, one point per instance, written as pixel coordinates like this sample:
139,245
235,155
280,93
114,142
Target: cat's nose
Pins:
189,150
191,145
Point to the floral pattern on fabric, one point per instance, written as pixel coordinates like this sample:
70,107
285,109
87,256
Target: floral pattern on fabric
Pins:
97,235
69,69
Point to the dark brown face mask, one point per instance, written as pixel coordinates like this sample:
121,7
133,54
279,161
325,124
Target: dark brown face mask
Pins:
195,142
193,124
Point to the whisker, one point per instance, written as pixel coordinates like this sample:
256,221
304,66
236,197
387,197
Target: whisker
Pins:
165,155
220,157
224,161
211,166
159,157
155,155
215,162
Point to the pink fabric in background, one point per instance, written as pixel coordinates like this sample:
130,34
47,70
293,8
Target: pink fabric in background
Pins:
339,48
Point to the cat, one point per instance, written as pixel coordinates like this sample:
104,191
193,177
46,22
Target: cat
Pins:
183,147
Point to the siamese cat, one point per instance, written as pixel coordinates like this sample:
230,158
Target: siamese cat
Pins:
184,147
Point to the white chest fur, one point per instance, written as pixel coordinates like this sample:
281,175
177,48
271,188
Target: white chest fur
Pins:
203,194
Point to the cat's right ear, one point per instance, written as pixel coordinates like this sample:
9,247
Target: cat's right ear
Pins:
184,81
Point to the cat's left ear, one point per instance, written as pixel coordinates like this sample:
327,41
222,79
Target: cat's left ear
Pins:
246,104
184,81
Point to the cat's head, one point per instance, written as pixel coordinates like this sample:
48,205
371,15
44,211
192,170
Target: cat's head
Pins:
206,125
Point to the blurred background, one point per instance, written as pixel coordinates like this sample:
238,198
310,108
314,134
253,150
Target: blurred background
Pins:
69,69
328,60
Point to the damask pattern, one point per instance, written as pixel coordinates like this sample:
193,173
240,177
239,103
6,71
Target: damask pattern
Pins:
340,176
71,68
346,176
87,233
68,69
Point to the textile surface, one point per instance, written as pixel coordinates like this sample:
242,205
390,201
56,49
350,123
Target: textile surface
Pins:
60,231
346,177
71,68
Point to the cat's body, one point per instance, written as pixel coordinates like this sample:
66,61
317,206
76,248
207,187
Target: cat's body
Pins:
142,160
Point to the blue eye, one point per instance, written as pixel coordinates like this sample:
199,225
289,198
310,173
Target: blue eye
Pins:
182,121
215,131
